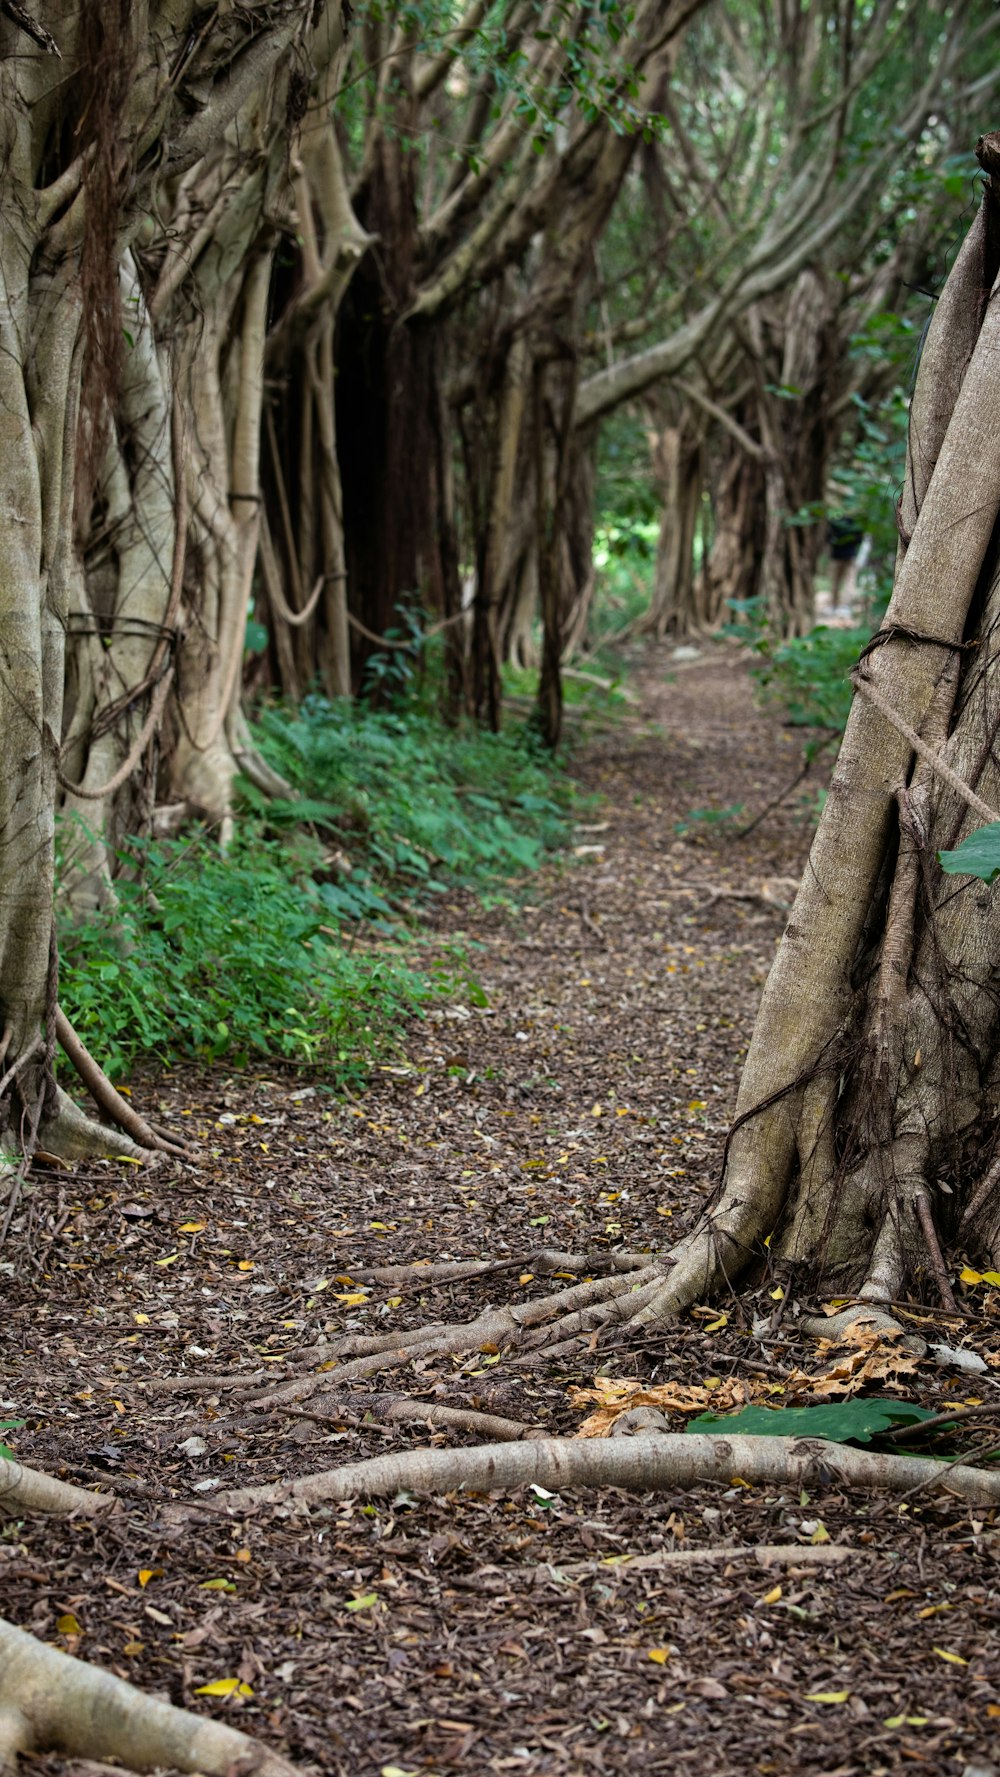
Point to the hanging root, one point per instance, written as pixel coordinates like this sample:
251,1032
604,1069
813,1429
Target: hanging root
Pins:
656,1463
52,1702
146,1138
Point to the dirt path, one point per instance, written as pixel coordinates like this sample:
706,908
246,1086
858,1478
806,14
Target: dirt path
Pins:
584,1107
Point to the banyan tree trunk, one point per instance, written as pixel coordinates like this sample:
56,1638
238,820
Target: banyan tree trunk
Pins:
730,571
795,432
868,1110
678,464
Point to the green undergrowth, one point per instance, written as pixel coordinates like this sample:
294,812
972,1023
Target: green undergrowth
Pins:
300,940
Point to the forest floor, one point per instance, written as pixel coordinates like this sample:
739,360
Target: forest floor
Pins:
583,1106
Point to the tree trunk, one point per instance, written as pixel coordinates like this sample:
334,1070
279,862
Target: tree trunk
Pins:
867,1113
731,569
677,453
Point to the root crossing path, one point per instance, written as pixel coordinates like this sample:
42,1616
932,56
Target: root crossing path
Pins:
181,1336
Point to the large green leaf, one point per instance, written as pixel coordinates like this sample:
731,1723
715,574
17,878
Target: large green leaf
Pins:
979,855
856,1420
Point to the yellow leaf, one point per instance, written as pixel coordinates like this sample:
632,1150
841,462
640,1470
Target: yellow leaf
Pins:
132,1648
697,1104
715,1325
191,1227
245,1265
141,1320
900,1592
224,1687
393,1301
243,1555
827,1696
149,1573
969,1276
993,1709
526,1277
168,1260
777,1295
597,1110
365,1602
216,1586
660,1655
956,1659
934,1610
352,1299
127,1160
820,1534
772,1596
68,1624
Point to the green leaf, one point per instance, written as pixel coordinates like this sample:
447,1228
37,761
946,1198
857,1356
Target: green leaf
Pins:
979,855
839,1422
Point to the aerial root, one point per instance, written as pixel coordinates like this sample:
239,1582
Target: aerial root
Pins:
658,1462
925,1217
110,1101
28,1490
50,1701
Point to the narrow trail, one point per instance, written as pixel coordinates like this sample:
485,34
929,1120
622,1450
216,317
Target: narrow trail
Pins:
582,1107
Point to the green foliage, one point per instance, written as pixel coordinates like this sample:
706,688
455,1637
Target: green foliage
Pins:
254,952
979,855
213,954
809,676
6,1453
855,1421
418,806
708,817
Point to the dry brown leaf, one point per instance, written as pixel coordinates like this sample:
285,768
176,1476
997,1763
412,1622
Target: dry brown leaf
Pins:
613,1396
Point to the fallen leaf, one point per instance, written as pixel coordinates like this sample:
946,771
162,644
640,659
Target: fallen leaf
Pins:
149,1573
365,1602
68,1624
827,1696
772,1596
224,1687
659,1654
943,1654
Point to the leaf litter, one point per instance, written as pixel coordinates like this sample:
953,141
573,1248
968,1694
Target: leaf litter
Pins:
492,1633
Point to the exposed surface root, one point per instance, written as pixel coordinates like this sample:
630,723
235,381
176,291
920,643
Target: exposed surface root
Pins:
28,1490
495,1327
764,1554
52,1702
399,1409
549,1259
655,1463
